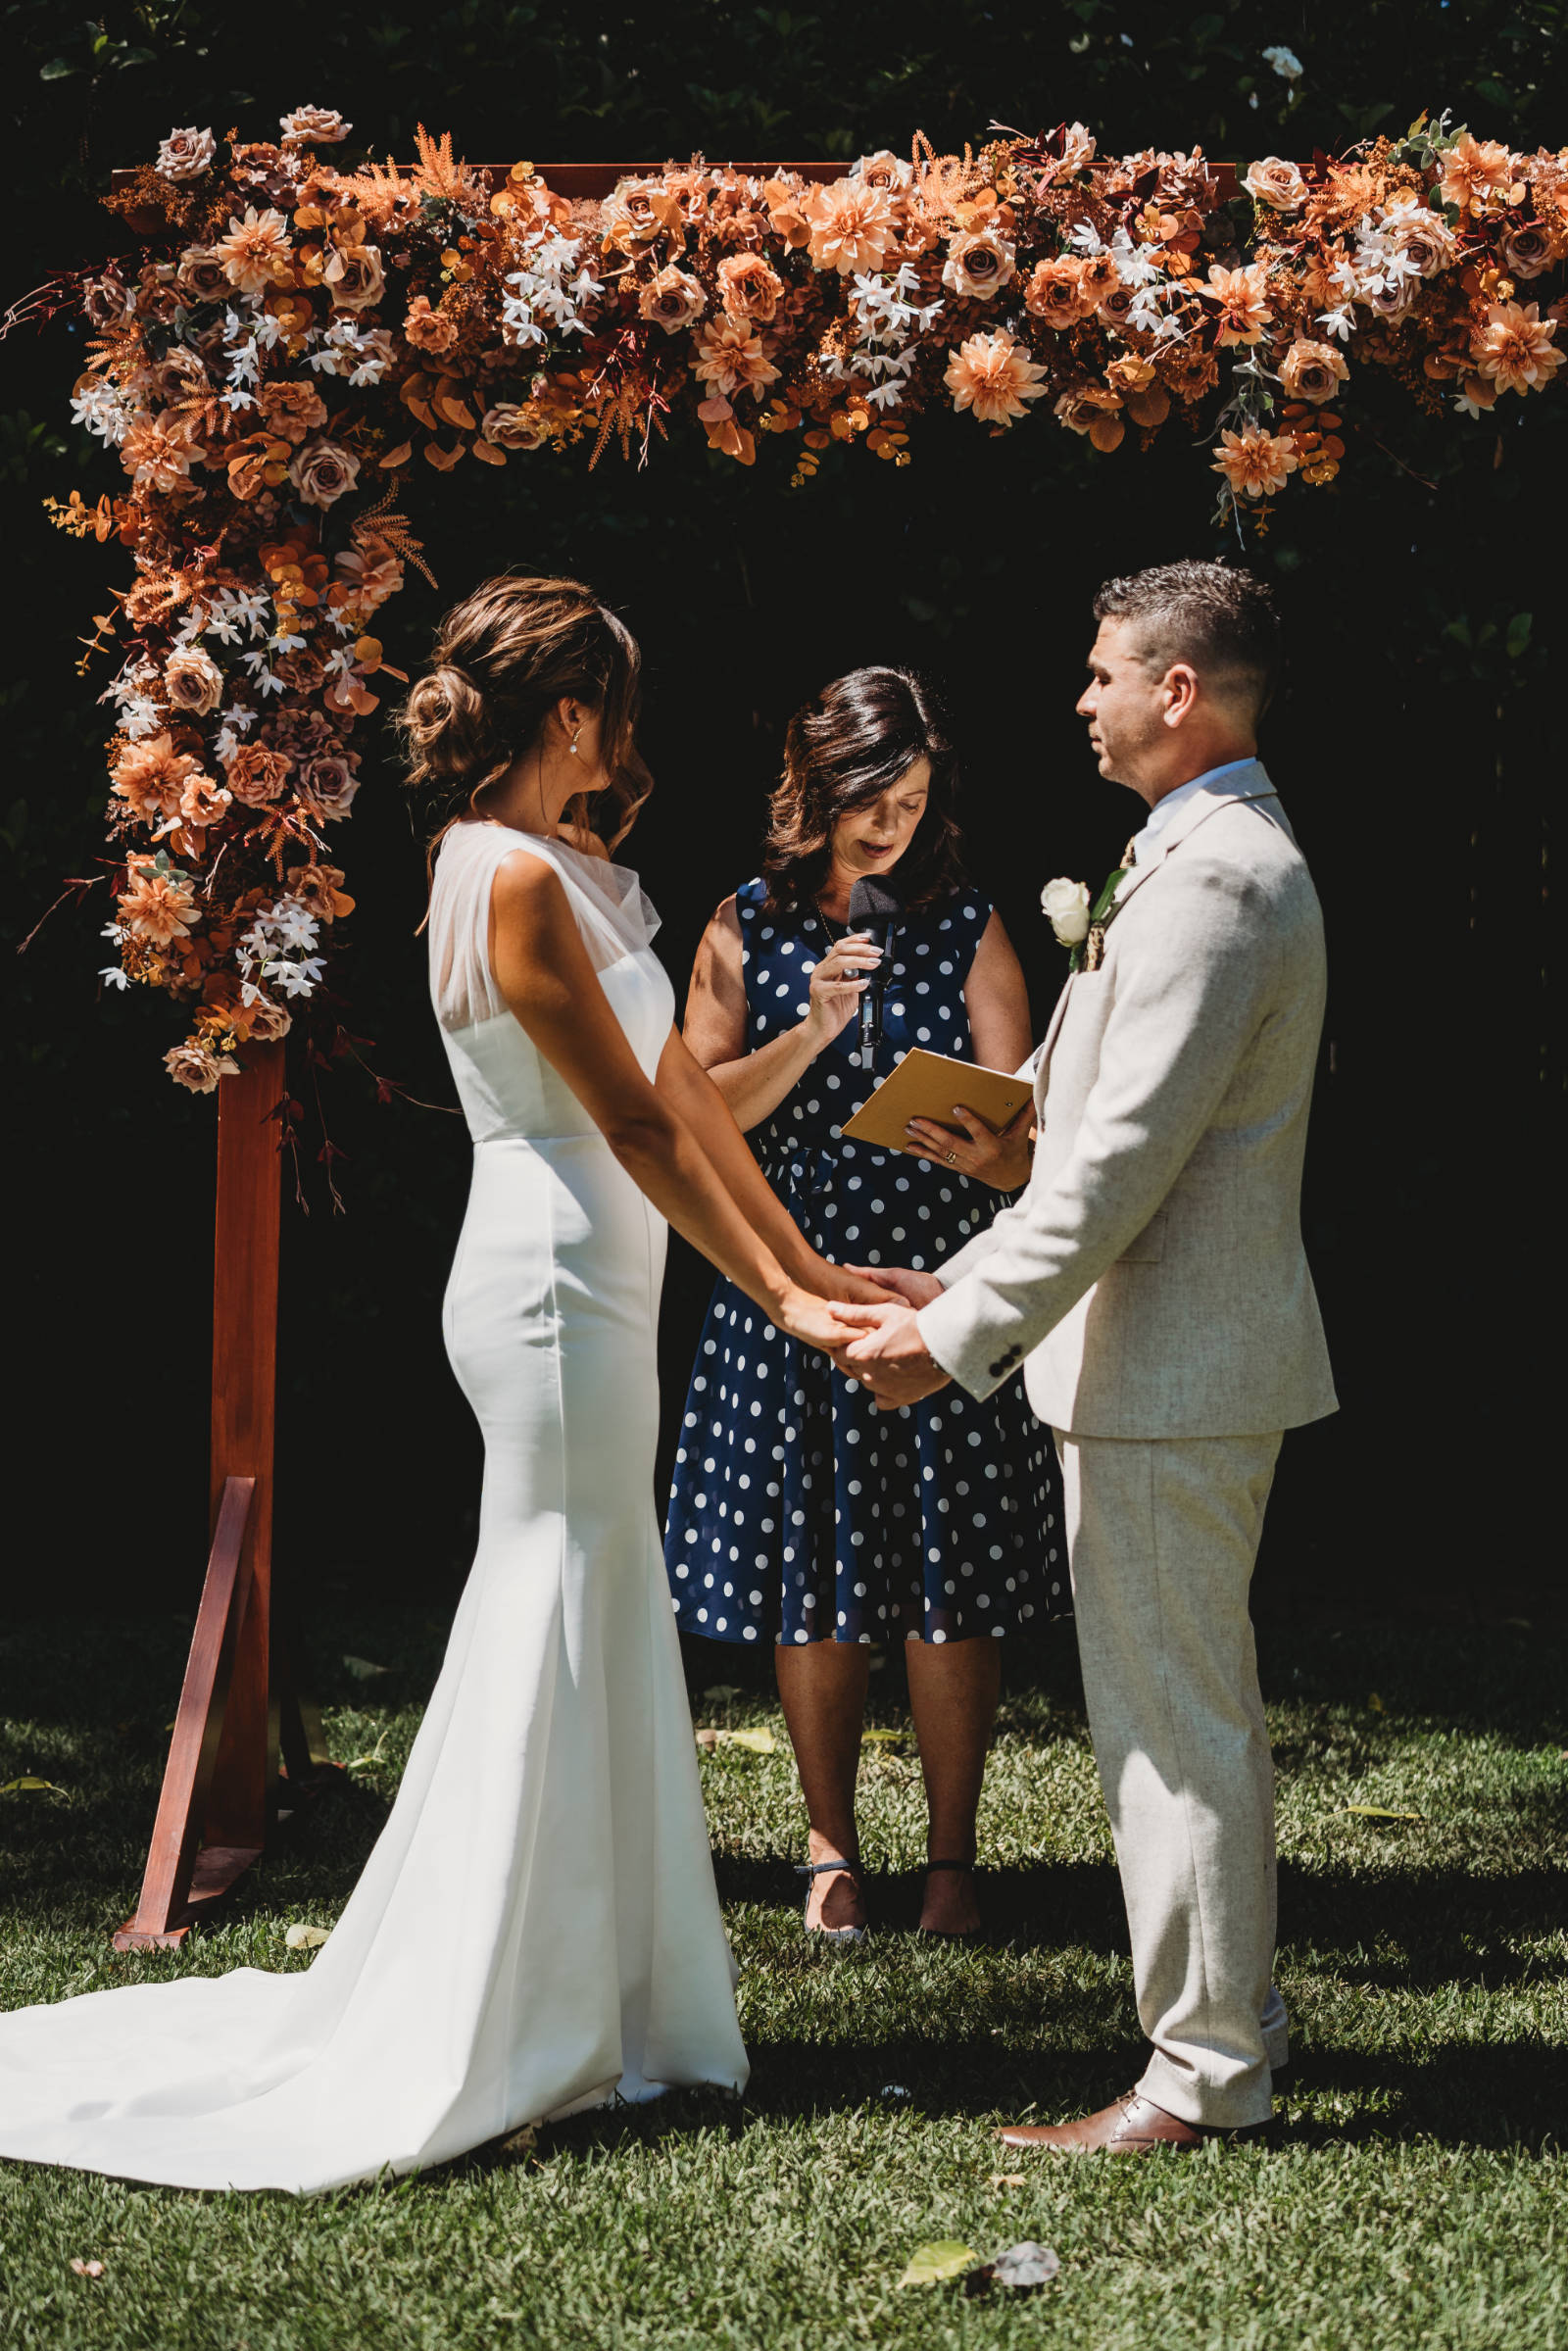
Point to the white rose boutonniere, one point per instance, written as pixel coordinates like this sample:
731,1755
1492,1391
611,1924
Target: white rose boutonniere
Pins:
1065,907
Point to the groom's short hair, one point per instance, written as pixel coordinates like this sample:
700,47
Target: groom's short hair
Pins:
1219,618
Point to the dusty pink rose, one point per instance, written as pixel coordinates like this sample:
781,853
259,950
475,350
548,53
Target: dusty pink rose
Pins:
673,300
1094,411
356,277
327,786
322,471
269,1019
185,152
200,276
198,1067
978,264
314,127
193,681
512,425
1528,249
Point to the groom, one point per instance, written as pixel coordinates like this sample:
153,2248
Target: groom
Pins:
1151,1282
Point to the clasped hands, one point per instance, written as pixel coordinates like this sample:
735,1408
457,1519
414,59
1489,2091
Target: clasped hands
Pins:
882,1345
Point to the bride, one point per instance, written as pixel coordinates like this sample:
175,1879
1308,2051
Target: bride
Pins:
537,1930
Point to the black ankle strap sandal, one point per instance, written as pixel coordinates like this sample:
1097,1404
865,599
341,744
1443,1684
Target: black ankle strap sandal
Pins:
952,1934
823,1869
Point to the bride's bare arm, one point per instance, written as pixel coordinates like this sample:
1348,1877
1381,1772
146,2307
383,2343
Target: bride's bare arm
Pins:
553,991
692,1093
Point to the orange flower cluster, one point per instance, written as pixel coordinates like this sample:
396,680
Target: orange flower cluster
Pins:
302,338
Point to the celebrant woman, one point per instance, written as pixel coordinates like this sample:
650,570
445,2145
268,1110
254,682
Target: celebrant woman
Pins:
536,1931
800,1515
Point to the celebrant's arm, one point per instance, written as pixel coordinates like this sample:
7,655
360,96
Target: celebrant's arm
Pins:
553,991
754,1084
998,1004
691,1091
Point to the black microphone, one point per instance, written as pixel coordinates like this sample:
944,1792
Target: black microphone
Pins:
875,908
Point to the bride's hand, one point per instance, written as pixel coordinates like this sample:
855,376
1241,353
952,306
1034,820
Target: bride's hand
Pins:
811,1320
915,1288
851,1285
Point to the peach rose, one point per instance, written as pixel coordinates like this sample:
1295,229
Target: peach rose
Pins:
291,409
1056,293
256,775
511,425
322,471
1277,183
314,127
193,681
356,277
995,376
1424,235
185,152
199,1068
1313,370
673,300
203,803
256,251
978,264
748,288
427,330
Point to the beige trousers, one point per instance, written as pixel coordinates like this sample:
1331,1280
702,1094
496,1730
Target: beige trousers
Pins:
1162,1538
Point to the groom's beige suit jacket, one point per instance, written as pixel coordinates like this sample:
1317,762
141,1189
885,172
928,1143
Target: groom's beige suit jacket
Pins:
1151,1277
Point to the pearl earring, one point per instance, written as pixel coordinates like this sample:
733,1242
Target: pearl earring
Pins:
572,747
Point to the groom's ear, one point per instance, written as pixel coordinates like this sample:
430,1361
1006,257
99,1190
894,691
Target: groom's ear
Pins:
1179,691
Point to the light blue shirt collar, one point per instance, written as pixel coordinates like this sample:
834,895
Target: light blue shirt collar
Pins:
1160,815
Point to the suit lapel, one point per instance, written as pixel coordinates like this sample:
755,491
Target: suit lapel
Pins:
1043,1057
1249,783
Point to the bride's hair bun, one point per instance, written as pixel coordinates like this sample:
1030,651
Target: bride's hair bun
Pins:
447,727
502,661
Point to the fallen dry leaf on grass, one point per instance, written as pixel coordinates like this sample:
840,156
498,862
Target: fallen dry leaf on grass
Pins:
1009,2180
306,1938
1021,2265
1380,1812
755,1743
87,2269
944,2256
27,1786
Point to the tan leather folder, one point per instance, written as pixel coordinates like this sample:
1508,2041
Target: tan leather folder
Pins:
926,1086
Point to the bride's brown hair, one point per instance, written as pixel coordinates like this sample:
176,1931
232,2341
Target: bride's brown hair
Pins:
502,659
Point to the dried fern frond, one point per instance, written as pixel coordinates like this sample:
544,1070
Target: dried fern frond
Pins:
395,531
438,175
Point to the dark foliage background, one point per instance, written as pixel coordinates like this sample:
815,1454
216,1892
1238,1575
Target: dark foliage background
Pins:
1414,742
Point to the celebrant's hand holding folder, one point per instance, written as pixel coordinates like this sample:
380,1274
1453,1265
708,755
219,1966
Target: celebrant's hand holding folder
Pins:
975,1120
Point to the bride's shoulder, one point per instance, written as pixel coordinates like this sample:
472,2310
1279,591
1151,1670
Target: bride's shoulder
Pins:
579,837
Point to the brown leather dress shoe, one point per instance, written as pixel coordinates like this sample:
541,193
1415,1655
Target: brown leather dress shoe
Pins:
1133,2126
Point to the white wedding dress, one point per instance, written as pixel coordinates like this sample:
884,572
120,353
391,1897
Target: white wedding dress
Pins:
537,1930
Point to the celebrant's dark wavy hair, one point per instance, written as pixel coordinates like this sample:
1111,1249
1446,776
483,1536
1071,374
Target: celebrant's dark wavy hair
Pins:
844,748
502,659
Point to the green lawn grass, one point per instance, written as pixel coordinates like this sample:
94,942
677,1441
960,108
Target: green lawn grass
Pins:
1415,2195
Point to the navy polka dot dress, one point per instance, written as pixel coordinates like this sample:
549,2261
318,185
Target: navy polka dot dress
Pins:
799,1511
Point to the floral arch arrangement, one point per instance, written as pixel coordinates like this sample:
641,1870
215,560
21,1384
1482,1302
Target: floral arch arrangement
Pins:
299,341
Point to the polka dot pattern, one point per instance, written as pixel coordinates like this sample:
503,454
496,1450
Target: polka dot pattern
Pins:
799,1512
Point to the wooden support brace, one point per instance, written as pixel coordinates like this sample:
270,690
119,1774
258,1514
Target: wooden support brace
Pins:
174,1881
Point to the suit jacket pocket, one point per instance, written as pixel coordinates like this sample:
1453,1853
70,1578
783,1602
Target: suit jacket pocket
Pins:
1148,1247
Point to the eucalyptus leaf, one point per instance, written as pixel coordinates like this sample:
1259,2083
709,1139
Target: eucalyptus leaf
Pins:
943,2257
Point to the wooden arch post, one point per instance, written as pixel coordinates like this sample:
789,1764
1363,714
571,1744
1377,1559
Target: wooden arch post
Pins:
218,1801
